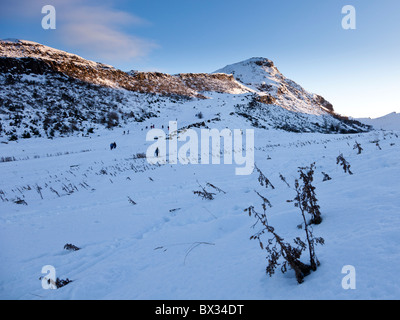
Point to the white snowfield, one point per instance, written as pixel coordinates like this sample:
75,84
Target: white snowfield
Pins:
390,121
144,234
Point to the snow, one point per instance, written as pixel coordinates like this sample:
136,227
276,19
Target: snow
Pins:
249,73
24,48
262,76
390,121
174,245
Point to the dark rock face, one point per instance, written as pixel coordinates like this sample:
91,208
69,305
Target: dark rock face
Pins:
264,62
24,66
267,99
216,82
320,100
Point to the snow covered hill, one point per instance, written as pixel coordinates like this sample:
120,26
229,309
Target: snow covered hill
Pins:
44,58
390,121
48,92
263,76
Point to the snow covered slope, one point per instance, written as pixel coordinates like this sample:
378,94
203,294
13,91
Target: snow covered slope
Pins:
390,121
144,234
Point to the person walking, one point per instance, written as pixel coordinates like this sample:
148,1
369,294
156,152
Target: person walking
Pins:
113,145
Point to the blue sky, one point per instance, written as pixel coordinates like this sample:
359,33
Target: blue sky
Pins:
358,71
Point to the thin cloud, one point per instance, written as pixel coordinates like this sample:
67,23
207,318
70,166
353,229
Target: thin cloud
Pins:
99,31
105,42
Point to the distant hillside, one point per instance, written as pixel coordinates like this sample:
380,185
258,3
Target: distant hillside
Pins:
390,121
